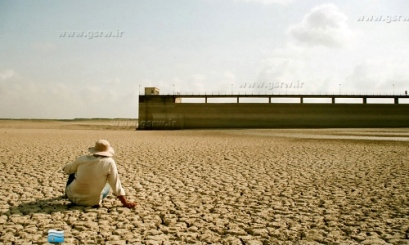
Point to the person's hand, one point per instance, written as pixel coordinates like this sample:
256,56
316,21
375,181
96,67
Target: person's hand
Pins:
129,204
125,203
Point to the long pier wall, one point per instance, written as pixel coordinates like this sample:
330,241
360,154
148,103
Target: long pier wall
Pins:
163,112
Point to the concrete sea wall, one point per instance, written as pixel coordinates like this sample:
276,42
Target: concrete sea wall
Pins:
163,113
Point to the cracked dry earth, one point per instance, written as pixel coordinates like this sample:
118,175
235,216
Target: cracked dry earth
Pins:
209,187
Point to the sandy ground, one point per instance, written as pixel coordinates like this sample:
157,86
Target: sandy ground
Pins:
211,186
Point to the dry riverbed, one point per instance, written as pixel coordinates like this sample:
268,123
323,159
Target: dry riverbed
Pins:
210,186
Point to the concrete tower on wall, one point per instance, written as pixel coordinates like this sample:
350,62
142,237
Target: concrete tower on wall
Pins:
151,91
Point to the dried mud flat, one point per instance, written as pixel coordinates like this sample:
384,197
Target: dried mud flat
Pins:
210,186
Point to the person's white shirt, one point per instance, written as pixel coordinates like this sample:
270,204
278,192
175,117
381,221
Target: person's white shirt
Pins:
91,175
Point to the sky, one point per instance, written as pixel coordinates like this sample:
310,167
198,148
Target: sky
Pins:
91,59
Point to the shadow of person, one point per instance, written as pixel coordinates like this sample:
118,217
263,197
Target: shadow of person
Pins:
46,206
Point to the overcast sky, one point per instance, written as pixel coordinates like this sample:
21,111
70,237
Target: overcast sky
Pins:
200,46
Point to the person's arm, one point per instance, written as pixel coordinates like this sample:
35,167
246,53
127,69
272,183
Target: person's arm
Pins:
71,168
126,203
115,183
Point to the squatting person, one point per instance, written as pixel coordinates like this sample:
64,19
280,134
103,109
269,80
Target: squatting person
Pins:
92,176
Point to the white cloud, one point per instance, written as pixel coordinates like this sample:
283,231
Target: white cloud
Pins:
324,25
297,63
7,85
6,74
228,79
283,69
22,97
380,76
